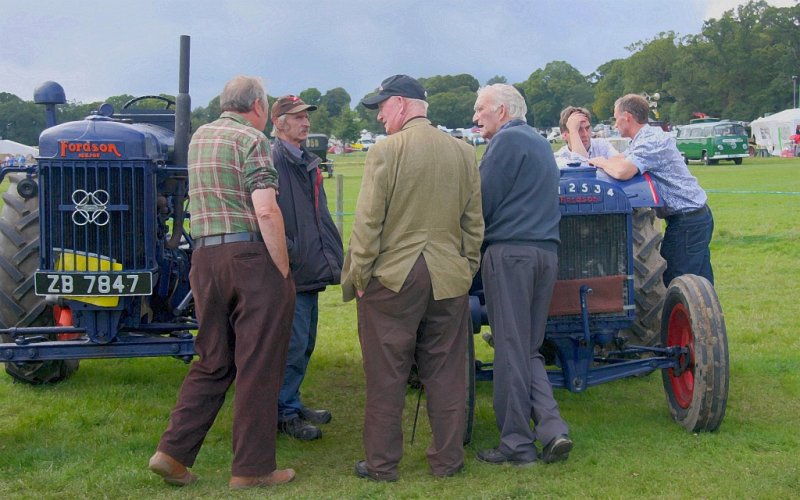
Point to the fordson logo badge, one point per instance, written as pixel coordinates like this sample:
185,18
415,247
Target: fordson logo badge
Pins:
90,207
88,150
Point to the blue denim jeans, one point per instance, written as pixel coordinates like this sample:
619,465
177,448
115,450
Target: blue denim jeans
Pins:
301,346
686,245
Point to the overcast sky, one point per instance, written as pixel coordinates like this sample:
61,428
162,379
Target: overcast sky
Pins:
100,48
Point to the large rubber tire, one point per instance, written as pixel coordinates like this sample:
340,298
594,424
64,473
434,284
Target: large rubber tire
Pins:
697,393
19,305
737,161
648,272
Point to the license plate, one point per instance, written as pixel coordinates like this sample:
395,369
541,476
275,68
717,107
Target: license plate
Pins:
94,284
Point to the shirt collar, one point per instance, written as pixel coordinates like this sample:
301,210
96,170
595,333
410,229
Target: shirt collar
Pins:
291,148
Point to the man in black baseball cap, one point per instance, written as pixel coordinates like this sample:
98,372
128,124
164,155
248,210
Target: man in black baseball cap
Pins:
397,85
414,247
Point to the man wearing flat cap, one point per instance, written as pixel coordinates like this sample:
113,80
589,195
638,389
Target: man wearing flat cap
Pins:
414,248
315,255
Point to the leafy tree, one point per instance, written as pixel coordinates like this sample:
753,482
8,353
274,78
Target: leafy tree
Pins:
336,100
451,109
321,120
450,83
369,117
549,90
311,96
608,88
496,79
347,126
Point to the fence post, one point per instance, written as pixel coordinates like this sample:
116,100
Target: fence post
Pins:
340,204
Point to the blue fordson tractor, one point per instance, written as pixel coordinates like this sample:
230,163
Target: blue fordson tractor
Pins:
94,260
611,316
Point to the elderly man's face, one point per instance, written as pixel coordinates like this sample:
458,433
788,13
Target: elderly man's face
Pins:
488,115
295,127
390,113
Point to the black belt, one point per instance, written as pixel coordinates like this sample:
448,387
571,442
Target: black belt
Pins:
219,239
688,215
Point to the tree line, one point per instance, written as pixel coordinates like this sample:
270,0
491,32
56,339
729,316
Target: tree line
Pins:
739,66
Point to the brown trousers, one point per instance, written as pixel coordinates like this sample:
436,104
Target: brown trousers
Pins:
396,329
244,307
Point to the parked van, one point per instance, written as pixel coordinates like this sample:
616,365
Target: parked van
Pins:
711,140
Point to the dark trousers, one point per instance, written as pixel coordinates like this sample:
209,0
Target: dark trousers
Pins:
301,347
395,329
686,245
244,307
518,281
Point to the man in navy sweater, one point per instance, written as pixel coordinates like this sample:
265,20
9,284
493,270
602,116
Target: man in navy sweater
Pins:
519,187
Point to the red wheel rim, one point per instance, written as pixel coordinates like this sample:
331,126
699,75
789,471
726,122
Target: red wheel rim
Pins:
680,334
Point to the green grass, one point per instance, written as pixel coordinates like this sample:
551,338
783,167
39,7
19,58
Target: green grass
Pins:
92,435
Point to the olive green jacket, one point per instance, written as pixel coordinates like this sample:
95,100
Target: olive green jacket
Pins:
420,194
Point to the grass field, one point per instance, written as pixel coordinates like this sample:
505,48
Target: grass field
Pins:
91,436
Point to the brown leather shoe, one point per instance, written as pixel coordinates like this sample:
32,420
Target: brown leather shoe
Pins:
274,478
171,470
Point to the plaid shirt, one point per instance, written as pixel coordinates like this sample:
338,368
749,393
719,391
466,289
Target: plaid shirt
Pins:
228,160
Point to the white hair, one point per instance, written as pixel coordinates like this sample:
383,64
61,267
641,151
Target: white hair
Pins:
280,120
421,102
509,97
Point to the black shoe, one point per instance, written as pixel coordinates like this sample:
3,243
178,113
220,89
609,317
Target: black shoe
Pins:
300,429
363,472
496,457
315,416
557,449
452,473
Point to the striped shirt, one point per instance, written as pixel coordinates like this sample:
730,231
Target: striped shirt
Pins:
228,160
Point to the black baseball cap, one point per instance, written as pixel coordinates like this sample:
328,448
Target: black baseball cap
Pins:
401,85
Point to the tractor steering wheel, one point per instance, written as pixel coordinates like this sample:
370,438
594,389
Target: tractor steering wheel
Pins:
169,102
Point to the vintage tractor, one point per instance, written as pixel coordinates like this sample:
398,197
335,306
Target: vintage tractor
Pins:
611,317
318,144
94,259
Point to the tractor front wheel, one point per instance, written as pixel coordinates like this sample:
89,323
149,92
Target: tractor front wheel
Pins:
19,258
697,389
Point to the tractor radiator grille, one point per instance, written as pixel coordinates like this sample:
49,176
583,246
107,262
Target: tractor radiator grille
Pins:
593,253
593,246
96,209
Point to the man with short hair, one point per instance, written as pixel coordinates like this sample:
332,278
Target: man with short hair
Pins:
243,295
576,129
690,223
315,255
414,249
519,185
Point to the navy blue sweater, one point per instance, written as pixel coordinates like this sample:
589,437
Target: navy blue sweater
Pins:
519,186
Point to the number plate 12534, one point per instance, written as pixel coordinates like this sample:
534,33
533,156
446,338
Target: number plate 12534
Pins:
100,284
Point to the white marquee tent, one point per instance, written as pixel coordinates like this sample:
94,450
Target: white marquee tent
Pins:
772,132
8,148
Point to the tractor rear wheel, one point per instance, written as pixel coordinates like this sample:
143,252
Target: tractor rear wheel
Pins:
697,390
648,272
20,306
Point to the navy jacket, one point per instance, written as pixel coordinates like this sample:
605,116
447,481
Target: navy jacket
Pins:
519,185
314,244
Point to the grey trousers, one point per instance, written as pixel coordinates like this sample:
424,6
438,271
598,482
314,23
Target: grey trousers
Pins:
518,283
395,329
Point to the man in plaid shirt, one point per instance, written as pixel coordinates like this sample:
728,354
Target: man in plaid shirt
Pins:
244,296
